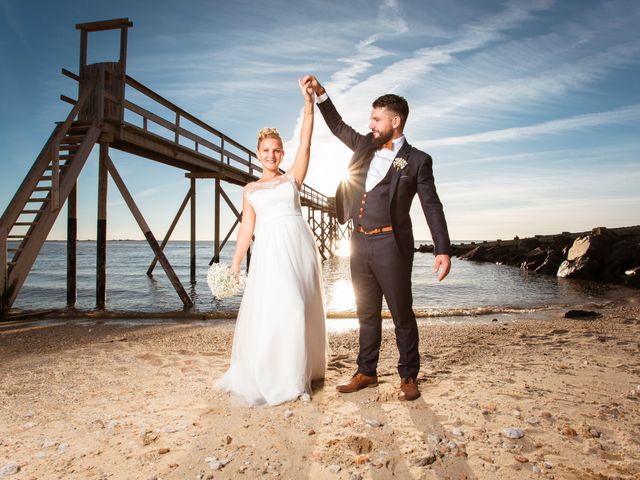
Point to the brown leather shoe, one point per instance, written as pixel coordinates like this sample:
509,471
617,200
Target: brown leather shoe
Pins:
357,382
408,389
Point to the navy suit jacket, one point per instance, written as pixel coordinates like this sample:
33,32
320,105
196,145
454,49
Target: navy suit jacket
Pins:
415,177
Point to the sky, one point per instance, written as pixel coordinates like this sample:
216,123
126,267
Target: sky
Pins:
530,109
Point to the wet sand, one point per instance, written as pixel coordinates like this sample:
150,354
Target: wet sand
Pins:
101,399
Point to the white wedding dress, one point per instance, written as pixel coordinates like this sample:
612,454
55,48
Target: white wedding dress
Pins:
279,344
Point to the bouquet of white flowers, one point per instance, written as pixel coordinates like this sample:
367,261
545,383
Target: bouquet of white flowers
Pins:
222,281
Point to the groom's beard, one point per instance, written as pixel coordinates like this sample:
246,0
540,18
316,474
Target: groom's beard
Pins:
383,138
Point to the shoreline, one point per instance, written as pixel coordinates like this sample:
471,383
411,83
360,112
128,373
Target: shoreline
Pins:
97,399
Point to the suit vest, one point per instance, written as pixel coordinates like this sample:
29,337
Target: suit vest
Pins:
371,209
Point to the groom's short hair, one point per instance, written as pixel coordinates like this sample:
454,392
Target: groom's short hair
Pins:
396,104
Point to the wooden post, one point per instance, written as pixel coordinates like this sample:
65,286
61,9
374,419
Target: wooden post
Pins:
216,222
4,303
169,232
153,243
192,263
72,245
83,51
177,133
123,66
101,258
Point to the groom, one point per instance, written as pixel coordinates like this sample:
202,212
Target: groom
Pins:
385,173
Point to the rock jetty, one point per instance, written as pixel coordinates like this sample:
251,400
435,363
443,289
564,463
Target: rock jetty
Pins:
603,254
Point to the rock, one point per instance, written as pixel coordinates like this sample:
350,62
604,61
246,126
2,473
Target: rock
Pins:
583,267
426,460
593,246
529,243
568,431
335,468
532,420
534,259
372,422
513,432
551,263
215,464
478,254
457,432
228,440
163,450
632,277
489,408
547,465
521,459
423,248
10,468
149,437
288,413
581,314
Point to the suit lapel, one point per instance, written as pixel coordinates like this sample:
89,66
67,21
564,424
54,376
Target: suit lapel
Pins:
396,172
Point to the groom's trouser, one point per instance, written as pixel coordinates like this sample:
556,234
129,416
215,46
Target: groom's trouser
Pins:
378,268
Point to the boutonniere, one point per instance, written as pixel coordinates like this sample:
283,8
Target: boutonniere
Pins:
399,163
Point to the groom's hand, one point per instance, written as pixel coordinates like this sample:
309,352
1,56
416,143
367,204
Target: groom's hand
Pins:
444,262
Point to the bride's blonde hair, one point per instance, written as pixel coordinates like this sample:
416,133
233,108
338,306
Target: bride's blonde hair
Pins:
269,132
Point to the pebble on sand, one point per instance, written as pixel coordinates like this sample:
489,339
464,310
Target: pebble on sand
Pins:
513,432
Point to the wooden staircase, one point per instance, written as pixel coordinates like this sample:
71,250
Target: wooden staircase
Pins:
29,217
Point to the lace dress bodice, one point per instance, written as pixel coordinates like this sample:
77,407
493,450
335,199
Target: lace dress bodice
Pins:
277,198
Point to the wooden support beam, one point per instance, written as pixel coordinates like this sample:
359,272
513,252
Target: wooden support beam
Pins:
229,233
72,246
230,203
55,178
101,238
216,222
186,300
4,301
192,237
169,232
104,25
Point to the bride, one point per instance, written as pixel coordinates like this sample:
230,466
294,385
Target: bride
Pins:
279,344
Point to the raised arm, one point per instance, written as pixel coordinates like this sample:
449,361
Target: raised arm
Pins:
332,118
301,162
245,233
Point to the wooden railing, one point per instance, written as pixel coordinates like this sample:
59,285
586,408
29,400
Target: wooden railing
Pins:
242,159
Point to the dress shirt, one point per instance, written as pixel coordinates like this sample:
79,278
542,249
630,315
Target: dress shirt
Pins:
380,164
382,159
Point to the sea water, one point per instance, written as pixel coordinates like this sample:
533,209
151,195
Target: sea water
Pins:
471,288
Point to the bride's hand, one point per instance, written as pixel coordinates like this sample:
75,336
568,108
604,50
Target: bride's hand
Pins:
307,91
235,271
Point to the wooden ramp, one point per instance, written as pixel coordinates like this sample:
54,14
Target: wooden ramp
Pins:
105,114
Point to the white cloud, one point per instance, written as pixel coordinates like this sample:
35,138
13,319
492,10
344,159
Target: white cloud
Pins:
624,115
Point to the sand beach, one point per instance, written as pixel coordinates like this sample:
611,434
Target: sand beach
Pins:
510,398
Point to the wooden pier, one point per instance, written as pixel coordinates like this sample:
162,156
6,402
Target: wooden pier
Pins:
103,114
